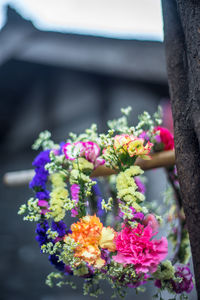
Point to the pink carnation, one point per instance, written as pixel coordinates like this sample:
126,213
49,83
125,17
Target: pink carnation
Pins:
166,138
136,246
89,150
72,151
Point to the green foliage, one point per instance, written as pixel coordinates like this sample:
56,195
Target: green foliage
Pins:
55,276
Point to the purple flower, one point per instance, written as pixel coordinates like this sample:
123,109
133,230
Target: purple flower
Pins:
45,195
75,188
54,260
140,184
186,284
157,139
60,227
44,205
157,283
41,175
144,136
136,215
42,159
74,212
68,270
40,179
60,150
97,193
61,147
41,231
105,255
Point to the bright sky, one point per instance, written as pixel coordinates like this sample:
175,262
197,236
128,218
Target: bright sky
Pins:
118,18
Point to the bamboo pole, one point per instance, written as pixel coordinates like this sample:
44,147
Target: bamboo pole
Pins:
161,159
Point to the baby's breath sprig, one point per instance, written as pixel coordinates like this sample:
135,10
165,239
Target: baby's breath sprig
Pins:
107,206
32,209
90,134
44,141
60,278
51,248
56,164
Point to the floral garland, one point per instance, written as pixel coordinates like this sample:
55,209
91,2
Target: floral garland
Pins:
124,251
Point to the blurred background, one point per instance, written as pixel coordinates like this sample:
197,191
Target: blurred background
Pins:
64,65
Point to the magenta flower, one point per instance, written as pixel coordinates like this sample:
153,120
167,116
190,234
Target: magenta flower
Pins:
75,188
144,135
136,215
166,137
74,212
186,284
136,246
140,184
44,205
158,139
89,150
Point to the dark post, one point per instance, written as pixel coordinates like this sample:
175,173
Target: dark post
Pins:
182,45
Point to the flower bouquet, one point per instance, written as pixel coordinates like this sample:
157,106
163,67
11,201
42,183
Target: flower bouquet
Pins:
115,238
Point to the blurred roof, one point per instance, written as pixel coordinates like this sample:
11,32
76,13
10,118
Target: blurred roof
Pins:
129,59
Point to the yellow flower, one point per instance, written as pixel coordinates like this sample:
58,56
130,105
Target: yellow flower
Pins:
58,197
99,263
136,147
132,145
83,164
57,180
134,171
107,239
121,142
127,188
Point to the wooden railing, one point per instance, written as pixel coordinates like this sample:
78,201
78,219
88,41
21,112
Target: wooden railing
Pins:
160,159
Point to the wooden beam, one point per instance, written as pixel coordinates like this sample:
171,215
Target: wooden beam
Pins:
161,159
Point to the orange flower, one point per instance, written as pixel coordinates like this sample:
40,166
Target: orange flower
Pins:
89,233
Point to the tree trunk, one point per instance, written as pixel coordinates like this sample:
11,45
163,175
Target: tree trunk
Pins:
182,45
